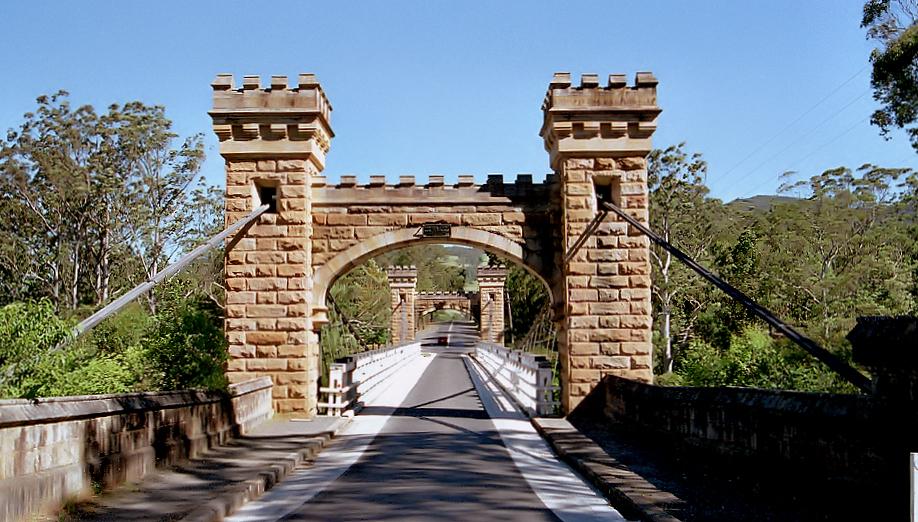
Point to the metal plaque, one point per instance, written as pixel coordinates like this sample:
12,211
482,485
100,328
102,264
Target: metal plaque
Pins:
435,230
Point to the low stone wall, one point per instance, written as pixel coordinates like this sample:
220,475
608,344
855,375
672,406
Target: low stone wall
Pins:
58,448
856,442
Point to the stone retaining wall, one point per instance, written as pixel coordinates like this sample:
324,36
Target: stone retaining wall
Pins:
853,443
59,448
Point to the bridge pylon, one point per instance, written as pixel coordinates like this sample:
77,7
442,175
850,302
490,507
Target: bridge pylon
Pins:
403,284
491,282
274,139
598,137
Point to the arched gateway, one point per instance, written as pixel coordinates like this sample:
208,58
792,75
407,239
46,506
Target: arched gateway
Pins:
274,141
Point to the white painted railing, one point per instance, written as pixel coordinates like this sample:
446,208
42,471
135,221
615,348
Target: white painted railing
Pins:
354,376
525,376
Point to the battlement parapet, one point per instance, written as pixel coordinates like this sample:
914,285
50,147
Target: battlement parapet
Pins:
407,190
256,121
588,119
443,295
492,275
589,96
402,276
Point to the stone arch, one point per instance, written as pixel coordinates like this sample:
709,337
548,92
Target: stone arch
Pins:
325,276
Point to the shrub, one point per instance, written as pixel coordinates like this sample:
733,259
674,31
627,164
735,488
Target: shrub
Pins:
185,346
29,334
754,359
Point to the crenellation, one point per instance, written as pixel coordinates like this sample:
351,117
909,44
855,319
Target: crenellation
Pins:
617,81
251,82
589,81
278,82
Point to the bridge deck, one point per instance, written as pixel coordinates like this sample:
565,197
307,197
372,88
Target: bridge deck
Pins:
438,444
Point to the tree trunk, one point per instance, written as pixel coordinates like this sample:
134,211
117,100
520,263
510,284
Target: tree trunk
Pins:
667,341
75,277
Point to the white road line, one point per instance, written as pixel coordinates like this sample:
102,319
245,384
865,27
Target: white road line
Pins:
557,486
301,486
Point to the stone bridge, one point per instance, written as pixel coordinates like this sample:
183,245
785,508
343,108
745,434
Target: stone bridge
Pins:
275,138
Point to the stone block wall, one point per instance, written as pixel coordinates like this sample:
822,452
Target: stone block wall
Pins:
274,139
491,282
833,445
403,282
267,282
348,214
597,138
608,329
55,449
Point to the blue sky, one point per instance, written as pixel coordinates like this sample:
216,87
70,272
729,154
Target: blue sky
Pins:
447,88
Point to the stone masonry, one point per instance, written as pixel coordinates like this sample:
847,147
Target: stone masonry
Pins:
598,138
403,282
274,140
491,282
427,302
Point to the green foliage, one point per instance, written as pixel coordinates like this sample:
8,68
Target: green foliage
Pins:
362,296
527,297
894,25
185,345
182,346
437,269
752,359
97,202
28,334
680,212
844,246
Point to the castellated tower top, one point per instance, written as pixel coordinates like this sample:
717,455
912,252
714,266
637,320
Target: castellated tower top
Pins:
590,120
275,121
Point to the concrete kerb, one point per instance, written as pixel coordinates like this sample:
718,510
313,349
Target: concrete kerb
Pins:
626,490
267,477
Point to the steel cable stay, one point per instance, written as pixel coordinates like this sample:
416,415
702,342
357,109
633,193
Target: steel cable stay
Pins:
87,324
96,318
828,358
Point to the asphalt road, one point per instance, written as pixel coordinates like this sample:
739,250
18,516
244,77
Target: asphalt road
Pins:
438,456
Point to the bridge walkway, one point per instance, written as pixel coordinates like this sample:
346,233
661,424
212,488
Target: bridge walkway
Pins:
439,444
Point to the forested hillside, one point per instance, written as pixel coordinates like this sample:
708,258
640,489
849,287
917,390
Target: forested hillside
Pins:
834,246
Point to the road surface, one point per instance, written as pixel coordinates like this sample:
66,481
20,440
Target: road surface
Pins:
429,449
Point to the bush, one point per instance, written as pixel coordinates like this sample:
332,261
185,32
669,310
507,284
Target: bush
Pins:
185,346
29,334
182,346
754,359
106,373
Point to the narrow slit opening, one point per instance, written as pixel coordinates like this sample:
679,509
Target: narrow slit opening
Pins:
268,195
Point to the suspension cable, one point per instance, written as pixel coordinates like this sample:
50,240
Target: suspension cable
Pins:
94,319
828,358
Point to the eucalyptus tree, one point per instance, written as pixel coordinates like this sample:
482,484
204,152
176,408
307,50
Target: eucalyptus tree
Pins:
96,203
47,170
894,25
681,213
840,252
